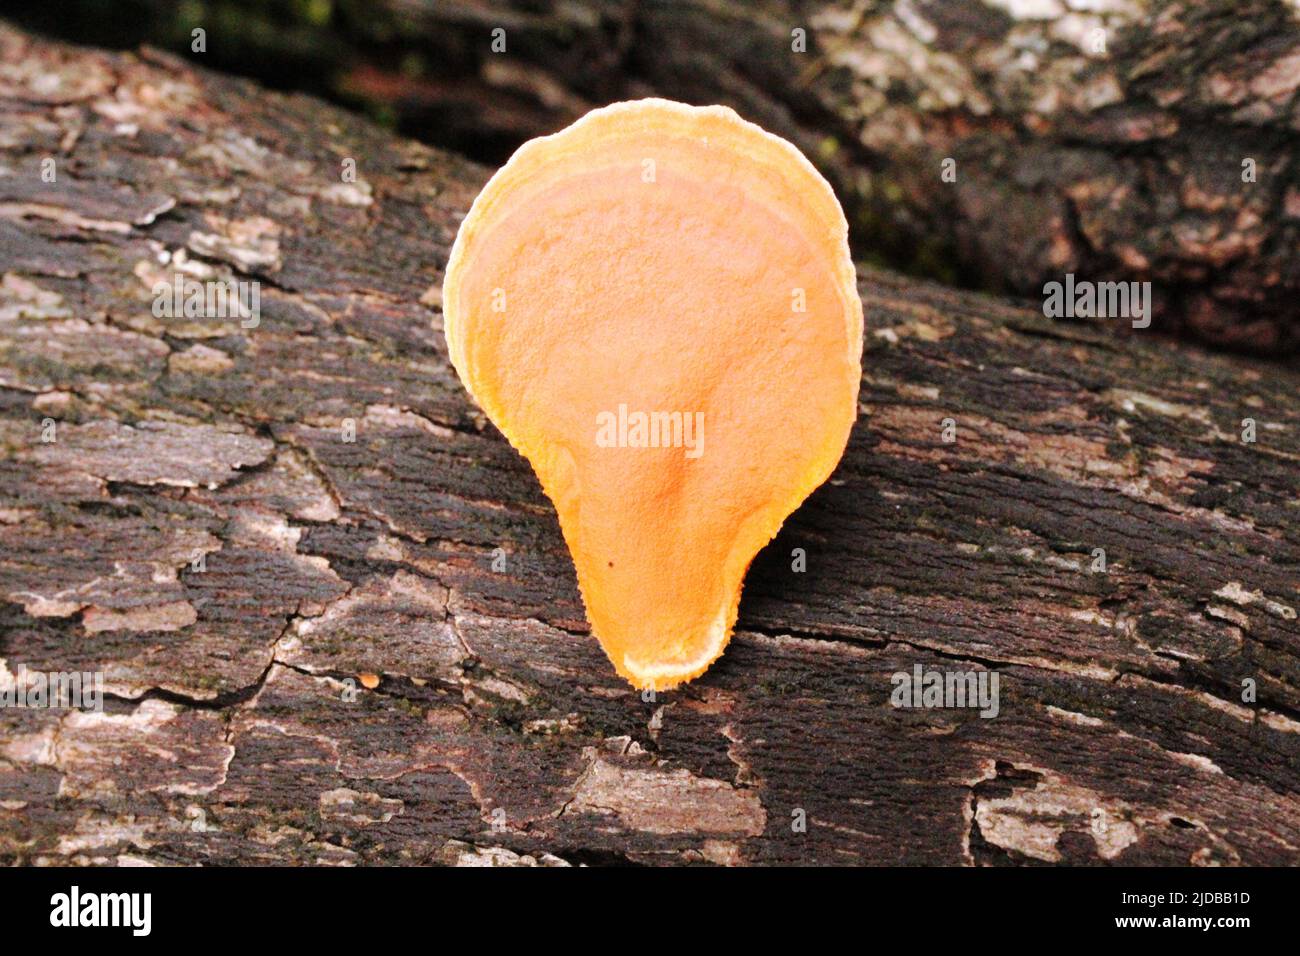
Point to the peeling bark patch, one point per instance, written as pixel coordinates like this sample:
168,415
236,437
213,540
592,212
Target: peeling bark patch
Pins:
287,487
101,833
1234,592
154,452
23,299
123,566
200,360
1032,821
161,617
250,245
158,748
667,801
343,805
39,356
398,626
457,853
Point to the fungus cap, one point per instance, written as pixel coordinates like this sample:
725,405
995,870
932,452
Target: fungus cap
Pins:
657,307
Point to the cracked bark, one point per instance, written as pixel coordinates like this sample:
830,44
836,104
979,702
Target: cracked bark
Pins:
201,533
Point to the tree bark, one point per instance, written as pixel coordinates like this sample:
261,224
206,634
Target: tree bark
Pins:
282,547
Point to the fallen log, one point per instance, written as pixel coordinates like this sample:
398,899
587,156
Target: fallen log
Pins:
335,621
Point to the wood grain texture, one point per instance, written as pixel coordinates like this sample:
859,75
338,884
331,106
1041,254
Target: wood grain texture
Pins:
498,732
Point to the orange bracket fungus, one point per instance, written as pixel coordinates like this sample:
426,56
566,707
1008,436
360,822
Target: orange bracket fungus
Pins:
658,309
